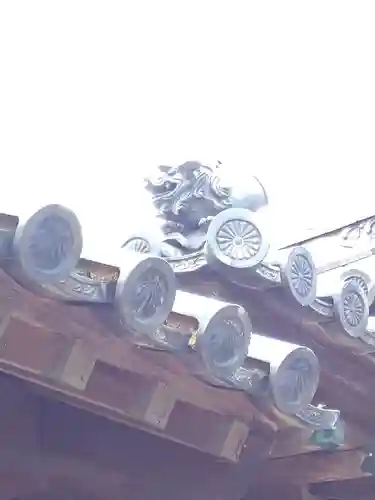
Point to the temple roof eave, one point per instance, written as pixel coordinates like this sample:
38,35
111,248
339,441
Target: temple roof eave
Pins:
155,295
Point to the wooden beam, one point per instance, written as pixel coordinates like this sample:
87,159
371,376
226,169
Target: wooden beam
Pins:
352,489
46,353
132,395
79,355
19,430
60,445
43,334
296,441
142,401
316,467
224,438
76,368
153,468
50,329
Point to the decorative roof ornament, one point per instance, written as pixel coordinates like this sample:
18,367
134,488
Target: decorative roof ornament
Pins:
363,279
187,199
361,233
145,292
352,308
232,356
300,274
235,240
43,248
319,416
203,223
329,438
222,337
293,372
200,222
345,263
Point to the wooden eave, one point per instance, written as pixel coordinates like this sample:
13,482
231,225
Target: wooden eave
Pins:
82,356
347,374
79,354
347,364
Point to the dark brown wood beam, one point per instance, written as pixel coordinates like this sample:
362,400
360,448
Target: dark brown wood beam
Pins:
296,441
66,349
144,402
316,467
77,353
59,326
53,445
170,465
352,489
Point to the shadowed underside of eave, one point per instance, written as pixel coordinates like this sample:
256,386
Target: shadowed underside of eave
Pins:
40,335
42,342
74,354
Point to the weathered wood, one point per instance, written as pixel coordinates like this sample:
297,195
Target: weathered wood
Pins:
61,324
138,397
160,406
76,367
296,441
76,352
234,440
313,467
38,350
347,365
351,489
223,437
34,353
64,447
206,431
128,398
19,429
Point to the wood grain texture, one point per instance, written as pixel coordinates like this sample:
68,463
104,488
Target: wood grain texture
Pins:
75,353
49,446
350,489
44,342
316,467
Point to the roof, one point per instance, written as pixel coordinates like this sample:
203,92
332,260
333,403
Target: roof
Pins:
200,329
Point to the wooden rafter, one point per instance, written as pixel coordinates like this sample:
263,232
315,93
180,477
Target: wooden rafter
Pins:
347,364
74,353
46,444
351,489
316,467
292,441
78,354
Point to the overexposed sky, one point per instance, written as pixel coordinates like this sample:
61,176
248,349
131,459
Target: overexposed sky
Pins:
93,94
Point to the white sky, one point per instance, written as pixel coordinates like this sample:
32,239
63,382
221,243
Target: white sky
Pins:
93,93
